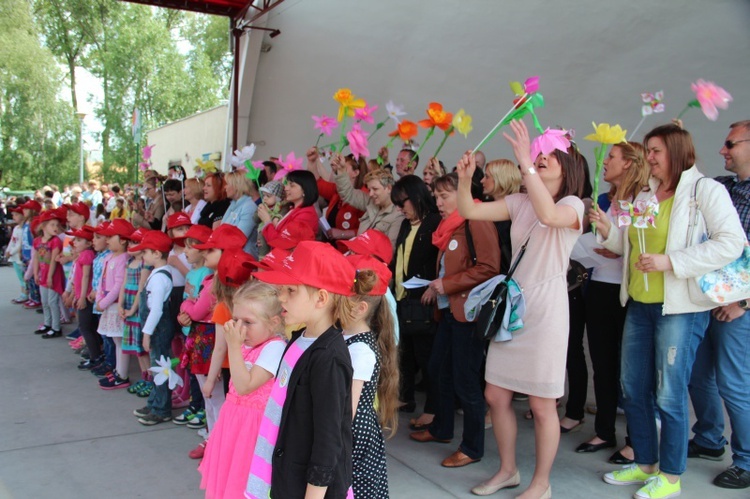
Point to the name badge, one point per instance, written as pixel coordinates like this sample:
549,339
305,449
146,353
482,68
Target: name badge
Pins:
453,245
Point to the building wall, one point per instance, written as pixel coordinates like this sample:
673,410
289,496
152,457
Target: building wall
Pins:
594,59
196,136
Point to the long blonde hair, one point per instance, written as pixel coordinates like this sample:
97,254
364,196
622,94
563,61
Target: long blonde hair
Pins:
635,178
380,320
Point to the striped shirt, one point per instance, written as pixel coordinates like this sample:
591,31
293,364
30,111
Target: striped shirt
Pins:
739,191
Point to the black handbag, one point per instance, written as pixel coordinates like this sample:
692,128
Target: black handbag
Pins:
491,314
414,317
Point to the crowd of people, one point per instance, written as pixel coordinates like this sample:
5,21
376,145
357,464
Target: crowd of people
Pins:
292,319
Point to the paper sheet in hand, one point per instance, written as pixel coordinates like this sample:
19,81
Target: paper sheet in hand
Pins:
583,252
324,225
416,282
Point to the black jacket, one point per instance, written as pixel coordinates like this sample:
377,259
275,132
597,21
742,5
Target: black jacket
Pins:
423,257
315,433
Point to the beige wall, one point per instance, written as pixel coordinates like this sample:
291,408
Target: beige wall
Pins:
594,58
189,138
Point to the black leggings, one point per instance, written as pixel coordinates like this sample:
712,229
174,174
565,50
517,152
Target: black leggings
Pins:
578,375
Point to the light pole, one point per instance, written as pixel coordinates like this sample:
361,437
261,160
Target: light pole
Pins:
80,117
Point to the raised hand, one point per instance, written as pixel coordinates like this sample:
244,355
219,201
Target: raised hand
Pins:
521,143
466,166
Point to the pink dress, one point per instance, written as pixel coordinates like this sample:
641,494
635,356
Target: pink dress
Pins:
230,449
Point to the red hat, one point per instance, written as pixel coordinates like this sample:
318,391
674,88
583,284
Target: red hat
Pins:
81,209
314,264
200,233
102,226
35,224
57,214
118,227
224,237
367,262
137,235
31,205
370,242
17,209
178,219
235,267
154,240
271,261
86,232
292,235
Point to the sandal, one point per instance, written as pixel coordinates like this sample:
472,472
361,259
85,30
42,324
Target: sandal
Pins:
146,389
135,387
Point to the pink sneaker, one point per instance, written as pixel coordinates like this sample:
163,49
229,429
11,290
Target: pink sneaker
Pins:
198,452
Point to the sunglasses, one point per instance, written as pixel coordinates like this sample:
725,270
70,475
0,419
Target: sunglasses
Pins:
729,144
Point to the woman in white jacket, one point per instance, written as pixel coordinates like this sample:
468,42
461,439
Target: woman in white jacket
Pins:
665,322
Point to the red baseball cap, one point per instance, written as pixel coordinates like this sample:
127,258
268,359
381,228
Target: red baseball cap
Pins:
118,227
224,237
292,235
235,267
314,264
31,205
137,235
17,209
102,226
57,214
271,261
35,224
80,208
370,242
154,240
178,219
200,233
86,232
367,262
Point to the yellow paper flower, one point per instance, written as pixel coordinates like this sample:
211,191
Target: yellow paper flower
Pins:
607,134
462,123
347,102
206,166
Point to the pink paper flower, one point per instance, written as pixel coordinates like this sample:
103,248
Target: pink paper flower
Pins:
548,142
146,151
531,85
291,163
358,142
366,114
710,96
325,124
144,166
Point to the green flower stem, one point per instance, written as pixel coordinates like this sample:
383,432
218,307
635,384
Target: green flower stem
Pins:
387,146
427,137
499,125
600,153
692,103
318,141
442,143
342,136
377,127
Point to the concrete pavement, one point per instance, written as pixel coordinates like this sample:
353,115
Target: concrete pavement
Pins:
61,436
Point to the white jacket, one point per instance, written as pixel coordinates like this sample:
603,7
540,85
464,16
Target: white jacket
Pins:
692,258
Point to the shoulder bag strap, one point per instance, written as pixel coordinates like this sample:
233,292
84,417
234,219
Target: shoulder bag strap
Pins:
470,243
695,212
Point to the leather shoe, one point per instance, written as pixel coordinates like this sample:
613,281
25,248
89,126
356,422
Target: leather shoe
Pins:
618,458
485,489
587,447
576,427
733,478
458,459
426,436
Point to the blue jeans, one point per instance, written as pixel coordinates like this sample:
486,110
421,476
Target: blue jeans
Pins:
160,399
456,367
658,352
722,372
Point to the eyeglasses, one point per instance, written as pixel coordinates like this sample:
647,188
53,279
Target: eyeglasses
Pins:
729,144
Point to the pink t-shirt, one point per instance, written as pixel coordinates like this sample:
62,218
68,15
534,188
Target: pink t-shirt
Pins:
44,255
85,258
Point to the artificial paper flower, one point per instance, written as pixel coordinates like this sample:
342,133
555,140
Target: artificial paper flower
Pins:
710,96
530,86
653,102
550,140
462,123
163,372
347,102
437,117
290,164
365,114
325,124
206,166
394,111
607,134
239,157
146,152
358,142
406,130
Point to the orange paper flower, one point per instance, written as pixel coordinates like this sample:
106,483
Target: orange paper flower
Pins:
406,130
347,102
437,117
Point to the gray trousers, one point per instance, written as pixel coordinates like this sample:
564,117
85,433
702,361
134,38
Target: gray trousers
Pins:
51,307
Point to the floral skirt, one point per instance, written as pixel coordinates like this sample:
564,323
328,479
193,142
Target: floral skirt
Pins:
199,346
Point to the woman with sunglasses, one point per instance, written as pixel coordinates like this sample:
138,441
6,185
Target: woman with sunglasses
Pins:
665,322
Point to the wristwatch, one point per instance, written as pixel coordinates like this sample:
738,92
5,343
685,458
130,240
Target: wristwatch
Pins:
531,171
744,305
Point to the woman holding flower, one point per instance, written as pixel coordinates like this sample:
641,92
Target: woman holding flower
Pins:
301,194
663,323
549,215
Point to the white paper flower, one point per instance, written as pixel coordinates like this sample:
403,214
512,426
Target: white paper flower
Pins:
239,157
394,111
163,372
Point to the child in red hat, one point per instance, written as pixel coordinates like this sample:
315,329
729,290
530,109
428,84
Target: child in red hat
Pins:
48,273
111,325
157,325
81,281
255,349
308,446
30,209
368,328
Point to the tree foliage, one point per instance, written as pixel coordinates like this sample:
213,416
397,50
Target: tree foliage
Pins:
169,64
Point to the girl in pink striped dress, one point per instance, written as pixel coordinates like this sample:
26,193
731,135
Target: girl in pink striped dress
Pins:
255,347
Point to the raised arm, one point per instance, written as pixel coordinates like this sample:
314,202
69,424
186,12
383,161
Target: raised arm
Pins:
495,210
544,205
